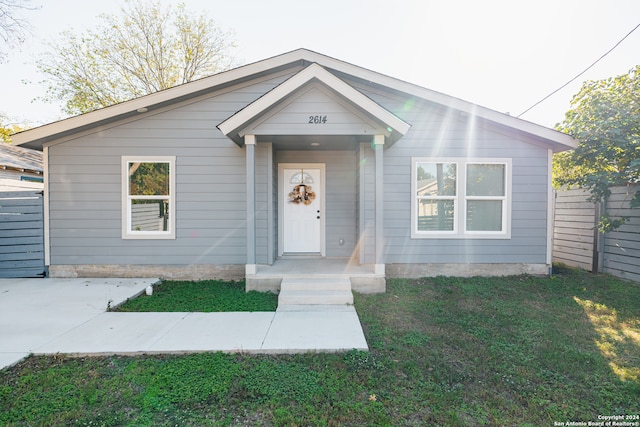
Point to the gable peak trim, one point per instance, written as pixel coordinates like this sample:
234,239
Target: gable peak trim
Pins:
312,73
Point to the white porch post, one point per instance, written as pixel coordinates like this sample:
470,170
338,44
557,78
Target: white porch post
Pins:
378,145
45,201
250,153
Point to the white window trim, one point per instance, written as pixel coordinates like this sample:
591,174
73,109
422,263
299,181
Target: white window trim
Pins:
460,212
127,233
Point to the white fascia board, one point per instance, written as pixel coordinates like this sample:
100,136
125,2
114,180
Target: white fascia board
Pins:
312,72
148,101
559,140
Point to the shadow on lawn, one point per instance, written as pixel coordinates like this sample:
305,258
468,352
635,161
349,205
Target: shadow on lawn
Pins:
618,340
610,305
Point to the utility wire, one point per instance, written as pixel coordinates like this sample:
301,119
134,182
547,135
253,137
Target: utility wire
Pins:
585,70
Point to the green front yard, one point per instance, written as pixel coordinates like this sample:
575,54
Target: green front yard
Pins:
205,296
518,350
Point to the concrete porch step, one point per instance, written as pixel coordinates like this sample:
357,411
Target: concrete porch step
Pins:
315,298
315,292
316,284
310,308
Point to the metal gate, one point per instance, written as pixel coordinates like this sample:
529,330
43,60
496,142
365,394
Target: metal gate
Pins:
22,234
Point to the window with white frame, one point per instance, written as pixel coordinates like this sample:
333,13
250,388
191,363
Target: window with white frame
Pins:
148,187
461,198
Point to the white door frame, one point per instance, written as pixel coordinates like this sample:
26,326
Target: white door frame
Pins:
283,192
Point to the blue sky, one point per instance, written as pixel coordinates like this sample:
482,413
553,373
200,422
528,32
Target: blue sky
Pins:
501,54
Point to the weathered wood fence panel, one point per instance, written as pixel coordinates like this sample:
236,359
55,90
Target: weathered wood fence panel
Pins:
573,236
21,234
577,243
622,247
147,217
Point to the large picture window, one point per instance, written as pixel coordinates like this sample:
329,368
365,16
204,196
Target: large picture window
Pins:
460,198
148,197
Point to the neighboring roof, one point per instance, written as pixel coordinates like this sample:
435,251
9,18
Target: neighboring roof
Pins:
20,158
36,137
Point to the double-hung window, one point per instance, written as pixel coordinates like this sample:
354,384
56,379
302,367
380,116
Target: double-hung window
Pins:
148,206
461,198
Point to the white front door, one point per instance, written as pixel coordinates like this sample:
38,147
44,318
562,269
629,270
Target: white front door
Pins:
302,203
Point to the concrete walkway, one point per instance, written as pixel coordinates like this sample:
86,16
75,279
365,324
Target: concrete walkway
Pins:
49,316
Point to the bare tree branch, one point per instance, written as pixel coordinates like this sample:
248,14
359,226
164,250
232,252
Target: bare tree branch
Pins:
13,27
145,49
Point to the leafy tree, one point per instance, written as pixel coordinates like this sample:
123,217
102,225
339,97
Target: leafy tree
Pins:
146,49
4,134
605,119
6,129
13,28
149,179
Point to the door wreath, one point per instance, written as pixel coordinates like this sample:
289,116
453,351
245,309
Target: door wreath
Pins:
302,193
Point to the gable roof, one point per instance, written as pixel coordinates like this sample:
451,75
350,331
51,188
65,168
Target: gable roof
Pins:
392,126
37,137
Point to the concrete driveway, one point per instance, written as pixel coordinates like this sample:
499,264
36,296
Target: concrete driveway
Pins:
34,312
49,316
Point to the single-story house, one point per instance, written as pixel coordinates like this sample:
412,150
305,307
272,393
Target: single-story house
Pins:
297,163
20,168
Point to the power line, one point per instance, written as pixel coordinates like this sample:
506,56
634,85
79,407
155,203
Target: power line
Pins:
585,70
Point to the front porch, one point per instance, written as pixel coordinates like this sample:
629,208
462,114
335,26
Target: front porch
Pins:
314,120
362,276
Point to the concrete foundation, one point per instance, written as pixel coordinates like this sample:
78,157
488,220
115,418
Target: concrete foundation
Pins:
167,272
363,277
362,285
268,278
369,285
414,271
265,284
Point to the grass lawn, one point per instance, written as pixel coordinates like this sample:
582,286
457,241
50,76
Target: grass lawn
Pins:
515,351
204,296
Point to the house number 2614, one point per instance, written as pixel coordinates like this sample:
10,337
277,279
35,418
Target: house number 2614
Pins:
317,120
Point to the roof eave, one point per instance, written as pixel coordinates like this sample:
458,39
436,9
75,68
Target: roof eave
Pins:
36,137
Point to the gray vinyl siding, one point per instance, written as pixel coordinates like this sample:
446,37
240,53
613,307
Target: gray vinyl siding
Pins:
85,187
85,184
314,102
439,132
340,195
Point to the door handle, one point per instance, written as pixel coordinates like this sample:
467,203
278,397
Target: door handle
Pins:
318,217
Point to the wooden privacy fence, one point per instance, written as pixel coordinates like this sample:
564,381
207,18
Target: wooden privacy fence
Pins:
574,235
21,235
576,241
